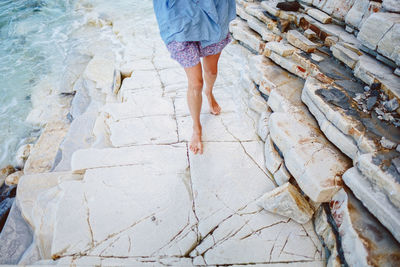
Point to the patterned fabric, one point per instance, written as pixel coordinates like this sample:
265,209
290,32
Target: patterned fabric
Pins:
206,21
188,53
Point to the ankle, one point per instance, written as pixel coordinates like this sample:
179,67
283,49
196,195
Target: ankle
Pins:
197,129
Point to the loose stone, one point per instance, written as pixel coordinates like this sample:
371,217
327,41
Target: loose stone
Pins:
287,201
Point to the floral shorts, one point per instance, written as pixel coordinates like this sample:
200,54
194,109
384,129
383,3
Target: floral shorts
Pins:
188,53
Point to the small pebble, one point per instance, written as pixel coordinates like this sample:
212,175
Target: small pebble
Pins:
391,105
366,88
386,143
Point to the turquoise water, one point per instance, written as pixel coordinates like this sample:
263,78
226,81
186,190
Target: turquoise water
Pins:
37,38
34,43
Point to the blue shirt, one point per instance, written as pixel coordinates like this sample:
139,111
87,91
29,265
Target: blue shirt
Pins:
206,21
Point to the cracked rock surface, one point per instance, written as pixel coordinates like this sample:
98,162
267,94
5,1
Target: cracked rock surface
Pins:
142,198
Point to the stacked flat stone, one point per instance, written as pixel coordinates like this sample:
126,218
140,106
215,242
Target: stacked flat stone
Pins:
331,118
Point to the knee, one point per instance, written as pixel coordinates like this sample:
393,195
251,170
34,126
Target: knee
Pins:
212,72
196,85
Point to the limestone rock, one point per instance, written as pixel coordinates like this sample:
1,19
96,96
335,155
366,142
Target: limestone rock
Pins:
279,48
141,155
273,160
262,29
240,11
22,154
234,225
317,96
299,40
13,178
289,65
370,35
139,80
151,224
374,199
306,151
146,130
310,34
345,143
388,45
79,135
282,175
369,70
286,97
319,15
5,172
81,99
336,8
101,71
257,102
45,149
228,127
357,12
380,169
287,201
345,55
391,5
243,33
270,7
32,185
326,232
15,237
364,240
263,129
257,11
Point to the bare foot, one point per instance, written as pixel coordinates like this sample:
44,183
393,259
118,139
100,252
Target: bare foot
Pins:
195,144
214,107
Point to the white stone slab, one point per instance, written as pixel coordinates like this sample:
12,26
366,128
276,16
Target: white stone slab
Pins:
316,164
239,173
370,35
262,29
101,71
139,106
299,40
160,220
261,238
164,156
370,165
243,33
375,200
172,76
32,185
319,15
141,79
224,127
144,130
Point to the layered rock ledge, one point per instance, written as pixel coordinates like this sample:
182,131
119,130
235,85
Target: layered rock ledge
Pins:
330,115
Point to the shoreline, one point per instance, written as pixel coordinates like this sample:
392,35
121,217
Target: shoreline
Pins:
53,103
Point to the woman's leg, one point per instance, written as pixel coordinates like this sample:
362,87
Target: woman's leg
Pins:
194,98
210,65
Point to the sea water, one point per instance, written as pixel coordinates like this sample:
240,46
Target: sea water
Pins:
35,41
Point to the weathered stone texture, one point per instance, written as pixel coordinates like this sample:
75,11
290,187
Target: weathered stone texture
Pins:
287,201
306,151
364,240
